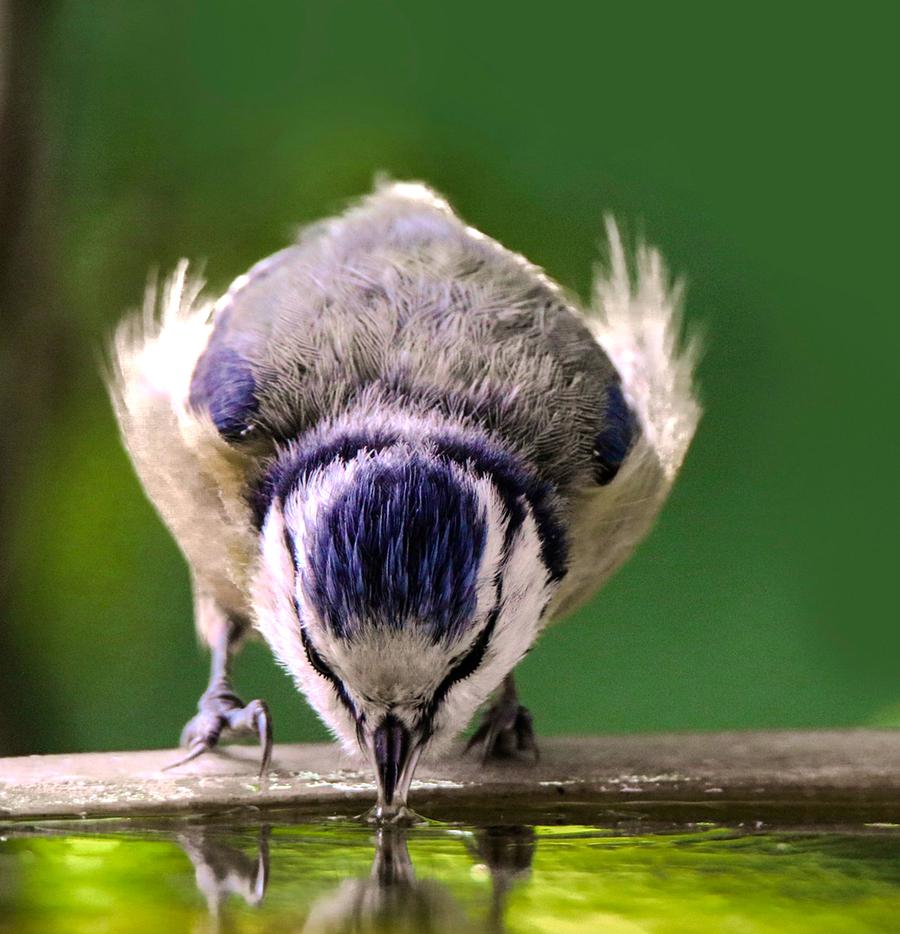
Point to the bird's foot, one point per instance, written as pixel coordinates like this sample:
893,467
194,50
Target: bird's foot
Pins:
506,729
221,711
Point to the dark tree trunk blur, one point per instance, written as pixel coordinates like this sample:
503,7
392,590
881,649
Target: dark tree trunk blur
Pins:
30,326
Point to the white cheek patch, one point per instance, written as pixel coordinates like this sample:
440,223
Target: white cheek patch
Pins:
495,521
278,596
526,590
302,512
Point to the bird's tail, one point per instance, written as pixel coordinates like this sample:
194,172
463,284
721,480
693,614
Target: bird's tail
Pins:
636,318
153,352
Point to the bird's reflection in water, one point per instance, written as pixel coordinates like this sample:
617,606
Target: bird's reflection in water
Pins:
389,899
508,853
221,870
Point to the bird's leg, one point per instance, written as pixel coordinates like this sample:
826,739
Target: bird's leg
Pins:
508,853
220,710
506,727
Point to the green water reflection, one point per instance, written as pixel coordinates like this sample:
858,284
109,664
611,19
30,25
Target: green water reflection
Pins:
339,876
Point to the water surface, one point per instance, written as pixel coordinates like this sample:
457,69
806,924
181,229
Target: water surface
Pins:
336,875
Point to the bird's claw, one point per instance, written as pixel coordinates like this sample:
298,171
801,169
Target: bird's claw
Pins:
223,712
507,729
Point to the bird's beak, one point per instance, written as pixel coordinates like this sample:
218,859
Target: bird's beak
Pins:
395,758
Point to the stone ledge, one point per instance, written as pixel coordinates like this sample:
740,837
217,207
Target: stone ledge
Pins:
831,768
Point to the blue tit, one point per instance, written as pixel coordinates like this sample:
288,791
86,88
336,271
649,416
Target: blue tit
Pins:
396,451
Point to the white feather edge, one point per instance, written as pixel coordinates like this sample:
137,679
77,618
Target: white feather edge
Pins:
154,352
192,477
636,317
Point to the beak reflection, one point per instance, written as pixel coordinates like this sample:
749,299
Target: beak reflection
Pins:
395,758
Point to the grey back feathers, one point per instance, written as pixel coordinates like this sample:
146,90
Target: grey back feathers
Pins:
393,316
398,305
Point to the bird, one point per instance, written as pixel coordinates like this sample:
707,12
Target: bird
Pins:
396,451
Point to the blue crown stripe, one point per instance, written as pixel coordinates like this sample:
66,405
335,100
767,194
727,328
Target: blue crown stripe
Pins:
402,545
299,462
511,480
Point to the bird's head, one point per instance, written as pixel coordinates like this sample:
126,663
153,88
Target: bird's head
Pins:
400,584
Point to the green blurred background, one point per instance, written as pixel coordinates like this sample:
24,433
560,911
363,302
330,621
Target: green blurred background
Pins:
753,144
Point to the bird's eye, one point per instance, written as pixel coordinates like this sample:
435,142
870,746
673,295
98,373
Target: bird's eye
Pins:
462,668
315,659
320,666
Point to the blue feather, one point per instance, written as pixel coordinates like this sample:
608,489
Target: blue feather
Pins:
473,451
402,546
223,384
299,461
614,440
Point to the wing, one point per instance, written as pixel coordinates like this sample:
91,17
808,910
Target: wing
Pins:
650,417
191,475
